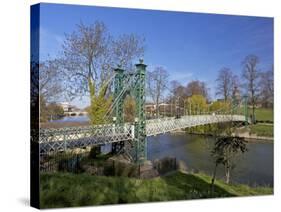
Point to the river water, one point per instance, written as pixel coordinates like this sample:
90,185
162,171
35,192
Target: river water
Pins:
254,167
82,118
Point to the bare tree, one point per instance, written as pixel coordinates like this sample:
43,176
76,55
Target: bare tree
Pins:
157,83
197,87
50,80
236,92
251,76
90,53
126,48
174,84
82,52
225,83
178,90
267,88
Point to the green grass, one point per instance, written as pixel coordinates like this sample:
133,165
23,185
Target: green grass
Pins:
66,189
239,189
262,130
263,114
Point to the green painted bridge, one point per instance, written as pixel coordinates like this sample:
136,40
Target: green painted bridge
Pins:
131,137
81,137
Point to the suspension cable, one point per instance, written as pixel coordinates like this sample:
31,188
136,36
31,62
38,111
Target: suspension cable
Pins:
120,95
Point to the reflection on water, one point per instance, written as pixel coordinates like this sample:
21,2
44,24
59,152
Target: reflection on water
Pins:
255,167
83,118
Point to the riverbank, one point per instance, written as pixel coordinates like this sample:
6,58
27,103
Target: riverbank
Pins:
247,137
254,137
70,190
252,133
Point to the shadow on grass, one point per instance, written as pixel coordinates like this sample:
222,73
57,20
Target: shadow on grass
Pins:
71,190
195,187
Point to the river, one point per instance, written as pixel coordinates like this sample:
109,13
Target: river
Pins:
82,118
254,167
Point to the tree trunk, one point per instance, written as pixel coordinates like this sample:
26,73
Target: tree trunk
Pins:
227,175
213,179
157,108
253,115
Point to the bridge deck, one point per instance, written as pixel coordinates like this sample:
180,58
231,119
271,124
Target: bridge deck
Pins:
158,126
80,137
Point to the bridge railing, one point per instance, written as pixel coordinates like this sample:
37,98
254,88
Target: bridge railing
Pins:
80,137
159,126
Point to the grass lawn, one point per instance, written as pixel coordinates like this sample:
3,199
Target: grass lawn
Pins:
263,114
262,130
66,189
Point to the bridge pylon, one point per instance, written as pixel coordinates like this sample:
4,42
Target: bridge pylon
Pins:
133,84
140,120
118,118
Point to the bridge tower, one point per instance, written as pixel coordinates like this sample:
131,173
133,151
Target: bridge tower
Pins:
140,120
136,88
119,108
118,87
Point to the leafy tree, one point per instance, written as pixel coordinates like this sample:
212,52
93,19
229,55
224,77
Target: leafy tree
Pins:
225,151
220,106
99,105
196,104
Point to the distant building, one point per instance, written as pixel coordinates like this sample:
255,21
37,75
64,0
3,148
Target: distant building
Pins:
67,107
150,108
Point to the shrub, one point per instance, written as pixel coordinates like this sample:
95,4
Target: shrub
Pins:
95,151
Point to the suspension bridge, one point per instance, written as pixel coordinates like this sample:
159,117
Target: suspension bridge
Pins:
131,138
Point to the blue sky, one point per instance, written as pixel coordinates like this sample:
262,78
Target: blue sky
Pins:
191,46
